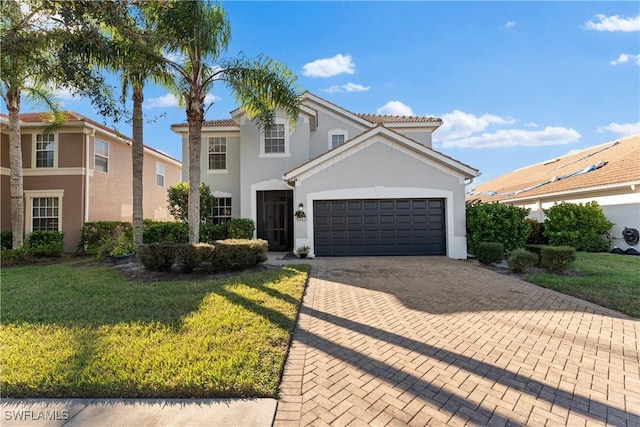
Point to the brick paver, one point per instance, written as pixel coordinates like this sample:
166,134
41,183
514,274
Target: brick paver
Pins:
434,341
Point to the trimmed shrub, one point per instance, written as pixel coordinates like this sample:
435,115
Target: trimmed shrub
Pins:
97,233
521,259
209,233
536,237
490,252
240,228
158,256
583,227
537,250
15,255
187,257
45,243
6,240
558,258
237,254
496,222
166,232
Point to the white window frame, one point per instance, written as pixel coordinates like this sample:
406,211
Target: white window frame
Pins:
34,157
337,132
286,152
226,217
209,152
29,195
95,154
160,165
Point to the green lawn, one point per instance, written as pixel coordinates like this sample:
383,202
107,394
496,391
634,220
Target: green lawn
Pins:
609,280
83,331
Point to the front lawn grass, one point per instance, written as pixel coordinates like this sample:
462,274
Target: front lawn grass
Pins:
84,331
609,280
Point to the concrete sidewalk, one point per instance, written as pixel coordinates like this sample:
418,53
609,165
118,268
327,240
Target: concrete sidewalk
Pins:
137,412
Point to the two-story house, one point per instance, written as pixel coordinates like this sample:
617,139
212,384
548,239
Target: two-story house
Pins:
80,171
341,183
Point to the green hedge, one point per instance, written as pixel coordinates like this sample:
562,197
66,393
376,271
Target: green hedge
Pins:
583,227
6,240
240,228
45,243
536,249
97,234
490,252
222,256
558,258
521,259
496,222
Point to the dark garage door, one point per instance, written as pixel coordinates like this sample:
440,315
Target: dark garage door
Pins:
379,227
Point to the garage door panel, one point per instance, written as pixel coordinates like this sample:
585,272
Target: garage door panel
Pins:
379,227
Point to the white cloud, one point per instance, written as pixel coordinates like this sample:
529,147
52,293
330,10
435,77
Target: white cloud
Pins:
168,100
349,87
510,24
625,57
614,23
623,129
532,124
328,67
63,94
395,108
517,137
211,98
459,124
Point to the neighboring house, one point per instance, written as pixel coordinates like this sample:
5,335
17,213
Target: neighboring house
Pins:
365,184
81,171
607,173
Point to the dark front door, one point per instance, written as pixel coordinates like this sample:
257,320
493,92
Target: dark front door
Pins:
275,219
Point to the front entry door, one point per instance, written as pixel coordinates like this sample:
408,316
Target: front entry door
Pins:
275,219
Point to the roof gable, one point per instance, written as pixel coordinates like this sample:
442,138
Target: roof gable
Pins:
613,163
399,141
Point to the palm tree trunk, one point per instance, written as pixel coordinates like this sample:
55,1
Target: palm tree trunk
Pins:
195,116
15,163
137,155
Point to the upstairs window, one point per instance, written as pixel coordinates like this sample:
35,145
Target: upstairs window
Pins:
337,137
160,174
274,139
336,140
274,142
218,153
101,156
45,150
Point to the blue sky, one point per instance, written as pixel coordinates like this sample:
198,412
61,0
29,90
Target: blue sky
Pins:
515,82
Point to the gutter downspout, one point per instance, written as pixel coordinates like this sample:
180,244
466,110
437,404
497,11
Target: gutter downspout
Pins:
86,174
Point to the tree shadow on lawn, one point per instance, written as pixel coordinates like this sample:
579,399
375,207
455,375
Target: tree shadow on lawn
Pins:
75,317
92,297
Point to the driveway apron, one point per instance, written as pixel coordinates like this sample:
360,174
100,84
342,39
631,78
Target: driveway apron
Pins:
435,341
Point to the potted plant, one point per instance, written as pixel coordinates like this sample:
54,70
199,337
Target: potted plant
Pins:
123,249
303,251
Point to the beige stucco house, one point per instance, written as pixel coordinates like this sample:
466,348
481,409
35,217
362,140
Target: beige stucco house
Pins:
80,171
339,182
608,173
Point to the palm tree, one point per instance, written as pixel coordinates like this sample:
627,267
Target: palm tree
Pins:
39,49
198,33
139,60
23,60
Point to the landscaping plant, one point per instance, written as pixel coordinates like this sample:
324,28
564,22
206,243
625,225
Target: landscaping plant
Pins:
521,259
496,222
581,226
490,252
558,258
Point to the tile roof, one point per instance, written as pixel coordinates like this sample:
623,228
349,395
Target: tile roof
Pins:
212,123
616,162
45,117
383,118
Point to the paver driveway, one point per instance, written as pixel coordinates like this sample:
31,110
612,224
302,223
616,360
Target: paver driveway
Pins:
434,341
